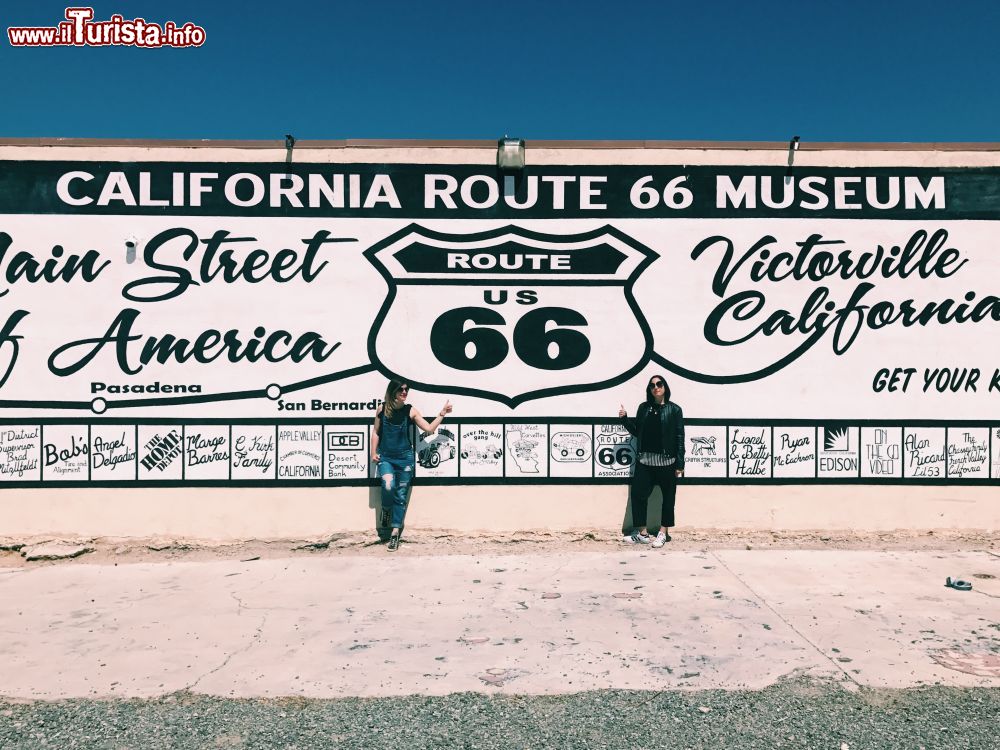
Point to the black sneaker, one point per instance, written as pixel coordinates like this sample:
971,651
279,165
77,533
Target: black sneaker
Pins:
385,518
394,542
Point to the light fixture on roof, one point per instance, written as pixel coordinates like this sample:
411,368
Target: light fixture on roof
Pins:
510,154
793,146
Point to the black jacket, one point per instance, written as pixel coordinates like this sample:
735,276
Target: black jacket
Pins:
671,424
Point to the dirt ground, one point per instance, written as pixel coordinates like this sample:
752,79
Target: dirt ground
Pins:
448,542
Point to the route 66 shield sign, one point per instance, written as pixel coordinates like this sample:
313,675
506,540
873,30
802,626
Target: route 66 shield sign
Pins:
510,314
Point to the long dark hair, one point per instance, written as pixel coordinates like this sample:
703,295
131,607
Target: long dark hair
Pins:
391,391
649,390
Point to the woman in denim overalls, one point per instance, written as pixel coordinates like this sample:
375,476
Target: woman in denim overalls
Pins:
392,450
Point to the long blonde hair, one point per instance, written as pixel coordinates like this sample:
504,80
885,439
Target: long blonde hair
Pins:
391,391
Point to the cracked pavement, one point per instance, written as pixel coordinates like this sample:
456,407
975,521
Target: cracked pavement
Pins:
633,618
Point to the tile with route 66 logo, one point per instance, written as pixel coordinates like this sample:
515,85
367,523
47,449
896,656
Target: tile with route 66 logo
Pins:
614,451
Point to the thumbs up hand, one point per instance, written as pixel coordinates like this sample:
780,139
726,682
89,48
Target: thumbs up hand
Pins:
621,411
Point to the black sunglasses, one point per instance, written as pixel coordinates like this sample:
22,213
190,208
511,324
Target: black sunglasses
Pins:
657,384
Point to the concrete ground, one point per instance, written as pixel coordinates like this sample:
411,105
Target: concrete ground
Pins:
524,623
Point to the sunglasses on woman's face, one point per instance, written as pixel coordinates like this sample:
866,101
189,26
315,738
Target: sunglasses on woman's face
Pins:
403,391
657,384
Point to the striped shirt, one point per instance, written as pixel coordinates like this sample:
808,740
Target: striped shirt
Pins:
656,459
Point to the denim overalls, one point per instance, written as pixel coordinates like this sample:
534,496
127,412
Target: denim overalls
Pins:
395,459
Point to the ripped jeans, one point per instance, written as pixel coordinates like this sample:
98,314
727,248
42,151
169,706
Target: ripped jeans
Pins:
395,473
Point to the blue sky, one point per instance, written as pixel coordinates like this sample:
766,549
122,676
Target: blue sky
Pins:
854,71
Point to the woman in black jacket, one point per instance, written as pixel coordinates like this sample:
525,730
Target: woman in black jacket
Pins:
659,425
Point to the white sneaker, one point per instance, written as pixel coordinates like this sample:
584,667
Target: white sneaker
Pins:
660,540
636,538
